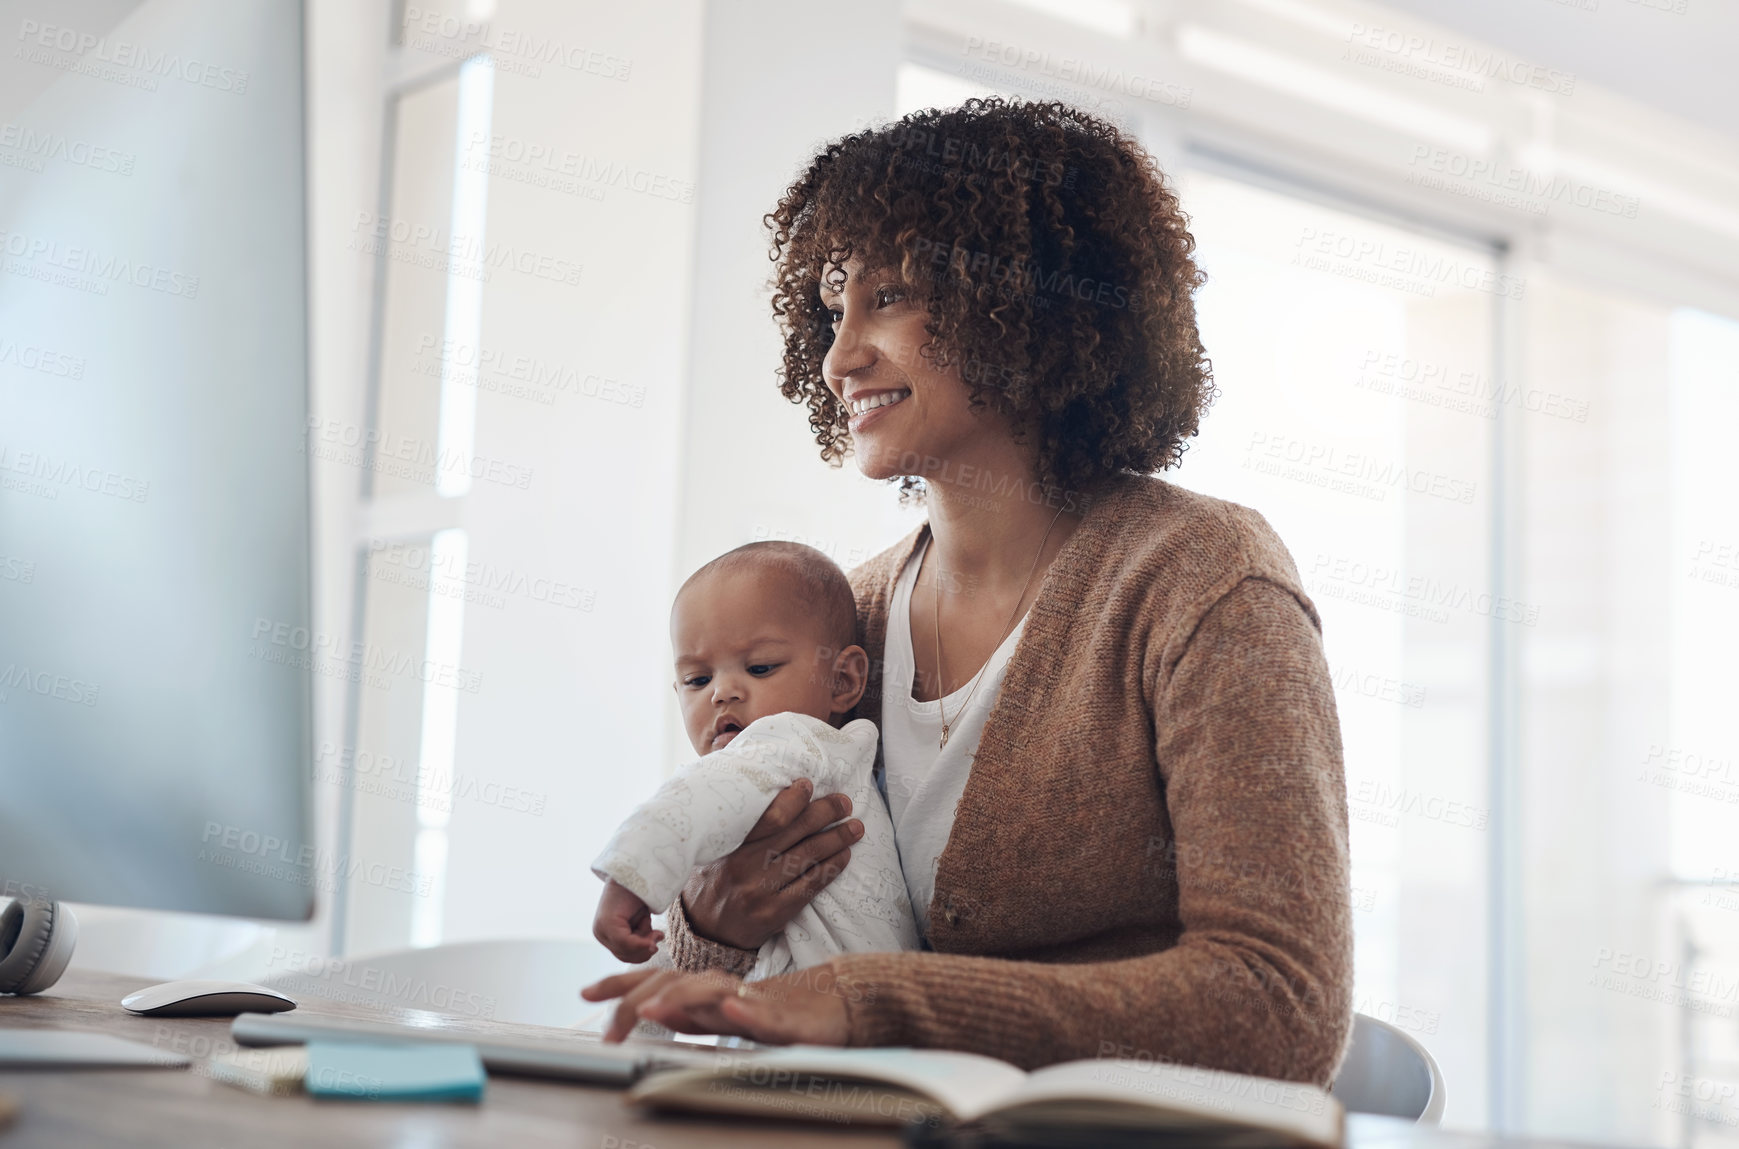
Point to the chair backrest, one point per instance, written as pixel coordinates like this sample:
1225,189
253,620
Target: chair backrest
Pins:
1387,1072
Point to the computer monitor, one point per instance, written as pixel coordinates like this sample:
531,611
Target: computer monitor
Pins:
155,625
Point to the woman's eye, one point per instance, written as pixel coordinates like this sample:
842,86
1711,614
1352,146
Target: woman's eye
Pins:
886,296
834,316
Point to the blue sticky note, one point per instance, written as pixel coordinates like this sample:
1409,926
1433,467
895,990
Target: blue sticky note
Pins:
400,1071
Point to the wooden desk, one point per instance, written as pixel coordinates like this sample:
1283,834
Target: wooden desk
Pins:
182,1109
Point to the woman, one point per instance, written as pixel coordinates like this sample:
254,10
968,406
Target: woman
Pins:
1109,738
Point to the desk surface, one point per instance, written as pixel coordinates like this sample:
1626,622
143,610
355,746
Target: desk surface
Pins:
181,1109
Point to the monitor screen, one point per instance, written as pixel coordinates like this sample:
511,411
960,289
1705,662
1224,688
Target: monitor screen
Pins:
155,634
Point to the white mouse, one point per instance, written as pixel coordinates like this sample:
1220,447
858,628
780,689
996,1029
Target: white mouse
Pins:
206,999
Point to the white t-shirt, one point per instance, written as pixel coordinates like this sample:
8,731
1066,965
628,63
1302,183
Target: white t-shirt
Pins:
923,784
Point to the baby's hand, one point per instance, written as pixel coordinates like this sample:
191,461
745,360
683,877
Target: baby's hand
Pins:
624,924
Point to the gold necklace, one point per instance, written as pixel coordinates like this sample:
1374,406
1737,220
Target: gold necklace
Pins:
936,600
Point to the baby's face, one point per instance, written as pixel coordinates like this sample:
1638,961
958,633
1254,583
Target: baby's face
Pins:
746,649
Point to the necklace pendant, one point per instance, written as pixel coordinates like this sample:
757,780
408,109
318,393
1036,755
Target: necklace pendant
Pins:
944,741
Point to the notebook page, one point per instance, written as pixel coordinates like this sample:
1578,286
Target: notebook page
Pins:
1301,1110
961,1082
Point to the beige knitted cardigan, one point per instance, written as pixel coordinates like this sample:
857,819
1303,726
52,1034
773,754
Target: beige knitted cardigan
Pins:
1150,857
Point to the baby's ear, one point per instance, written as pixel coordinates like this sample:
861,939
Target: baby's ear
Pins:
850,677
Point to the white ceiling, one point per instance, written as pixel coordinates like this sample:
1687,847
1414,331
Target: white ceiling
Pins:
1683,63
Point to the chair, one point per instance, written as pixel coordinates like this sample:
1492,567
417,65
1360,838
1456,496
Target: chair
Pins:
530,981
1387,1072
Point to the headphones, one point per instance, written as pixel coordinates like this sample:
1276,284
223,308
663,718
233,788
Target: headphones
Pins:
36,940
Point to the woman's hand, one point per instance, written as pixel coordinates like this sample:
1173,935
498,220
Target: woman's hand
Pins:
751,893
779,1011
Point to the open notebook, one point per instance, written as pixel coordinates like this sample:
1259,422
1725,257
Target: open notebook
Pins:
895,1086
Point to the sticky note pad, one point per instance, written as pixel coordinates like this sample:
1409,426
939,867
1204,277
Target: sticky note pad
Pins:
276,1072
400,1071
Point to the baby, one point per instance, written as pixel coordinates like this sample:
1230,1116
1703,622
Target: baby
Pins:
765,667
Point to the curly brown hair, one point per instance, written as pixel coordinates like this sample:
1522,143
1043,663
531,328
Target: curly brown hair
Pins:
1058,266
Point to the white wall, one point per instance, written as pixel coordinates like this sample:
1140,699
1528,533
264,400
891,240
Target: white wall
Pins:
750,468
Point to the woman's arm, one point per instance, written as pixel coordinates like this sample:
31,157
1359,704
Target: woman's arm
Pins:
1260,979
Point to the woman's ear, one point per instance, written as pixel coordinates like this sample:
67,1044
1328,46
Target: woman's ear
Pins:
850,676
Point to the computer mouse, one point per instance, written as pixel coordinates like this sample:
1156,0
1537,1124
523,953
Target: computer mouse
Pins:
206,999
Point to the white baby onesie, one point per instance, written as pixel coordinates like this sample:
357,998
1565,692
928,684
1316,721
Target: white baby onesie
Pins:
709,807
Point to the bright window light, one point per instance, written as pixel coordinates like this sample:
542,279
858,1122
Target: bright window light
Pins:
916,86
456,438
1305,15
449,551
1281,72
1703,741
1651,194
1113,17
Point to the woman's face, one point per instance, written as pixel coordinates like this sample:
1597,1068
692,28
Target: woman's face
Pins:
907,416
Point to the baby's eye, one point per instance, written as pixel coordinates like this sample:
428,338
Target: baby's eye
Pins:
697,681
762,669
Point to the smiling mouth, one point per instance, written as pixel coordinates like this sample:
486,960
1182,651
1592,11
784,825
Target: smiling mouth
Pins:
870,403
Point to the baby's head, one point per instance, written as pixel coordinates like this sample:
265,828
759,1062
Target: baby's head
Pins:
764,629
